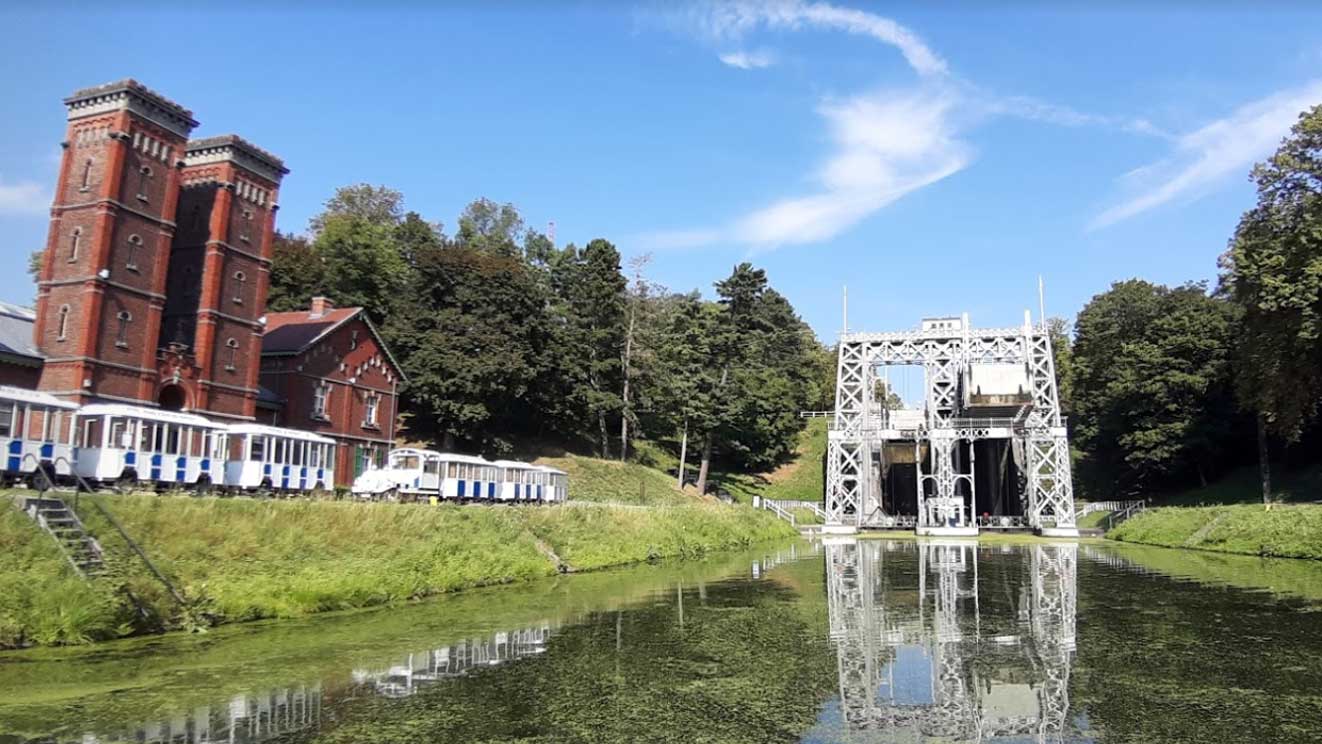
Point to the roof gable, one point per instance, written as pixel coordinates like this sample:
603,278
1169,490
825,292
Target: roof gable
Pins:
296,332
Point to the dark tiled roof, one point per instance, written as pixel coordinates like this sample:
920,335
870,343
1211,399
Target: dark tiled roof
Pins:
290,333
237,142
16,332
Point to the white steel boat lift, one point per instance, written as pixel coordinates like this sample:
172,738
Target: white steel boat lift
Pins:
942,432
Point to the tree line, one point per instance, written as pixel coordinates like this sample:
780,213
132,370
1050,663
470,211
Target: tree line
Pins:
511,343
1170,386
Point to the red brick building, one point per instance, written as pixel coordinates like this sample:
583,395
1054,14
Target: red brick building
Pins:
327,370
154,278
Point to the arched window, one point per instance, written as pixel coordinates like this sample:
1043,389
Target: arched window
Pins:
231,355
144,179
73,244
63,327
87,175
122,333
240,281
131,261
245,228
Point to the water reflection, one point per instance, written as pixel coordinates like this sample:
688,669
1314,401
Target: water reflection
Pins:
930,656
276,713
245,718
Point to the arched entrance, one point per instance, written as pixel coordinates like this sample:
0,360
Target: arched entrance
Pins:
172,398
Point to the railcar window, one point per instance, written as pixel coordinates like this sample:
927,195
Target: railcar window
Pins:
6,418
171,439
279,456
453,470
91,432
258,453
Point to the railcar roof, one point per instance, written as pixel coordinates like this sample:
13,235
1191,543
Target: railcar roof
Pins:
414,451
514,464
150,414
276,431
24,395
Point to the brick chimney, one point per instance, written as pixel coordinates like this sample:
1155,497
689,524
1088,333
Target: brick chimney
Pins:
320,306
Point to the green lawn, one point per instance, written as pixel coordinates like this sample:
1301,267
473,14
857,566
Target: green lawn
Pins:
238,559
1286,531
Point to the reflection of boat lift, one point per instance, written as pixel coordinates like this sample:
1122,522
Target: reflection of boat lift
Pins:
872,630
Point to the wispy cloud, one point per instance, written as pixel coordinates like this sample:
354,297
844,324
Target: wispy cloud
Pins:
23,198
1032,109
1212,154
749,60
732,20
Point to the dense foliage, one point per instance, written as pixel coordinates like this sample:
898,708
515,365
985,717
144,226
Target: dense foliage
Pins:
1149,378
511,342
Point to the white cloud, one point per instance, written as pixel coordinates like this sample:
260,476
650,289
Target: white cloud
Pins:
749,60
734,19
885,145
1208,156
1032,109
23,198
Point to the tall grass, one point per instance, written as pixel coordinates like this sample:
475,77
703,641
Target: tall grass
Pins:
42,600
235,560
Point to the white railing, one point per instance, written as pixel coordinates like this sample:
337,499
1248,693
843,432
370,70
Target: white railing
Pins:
790,505
775,508
1111,506
1002,522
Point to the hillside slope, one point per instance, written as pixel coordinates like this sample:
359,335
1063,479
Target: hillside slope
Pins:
802,479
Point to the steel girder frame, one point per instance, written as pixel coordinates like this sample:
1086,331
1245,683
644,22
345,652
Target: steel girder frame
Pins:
1048,486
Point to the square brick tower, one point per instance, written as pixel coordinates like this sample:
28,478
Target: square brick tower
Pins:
211,333
101,290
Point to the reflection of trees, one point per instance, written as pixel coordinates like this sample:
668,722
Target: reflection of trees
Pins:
991,670
735,661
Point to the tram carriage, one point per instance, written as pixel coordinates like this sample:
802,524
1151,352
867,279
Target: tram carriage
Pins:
555,485
468,478
518,481
35,428
271,458
123,444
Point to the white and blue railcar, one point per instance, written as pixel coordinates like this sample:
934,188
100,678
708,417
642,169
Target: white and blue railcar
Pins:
35,428
554,487
408,471
468,478
118,443
519,481
270,458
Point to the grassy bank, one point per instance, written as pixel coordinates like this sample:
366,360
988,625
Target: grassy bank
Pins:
801,479
1287,531
243,559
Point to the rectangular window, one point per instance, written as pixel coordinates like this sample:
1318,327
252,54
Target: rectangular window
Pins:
321,401
279,452
6,419
172,435
369,412
258,453
91,432
145,436
120,437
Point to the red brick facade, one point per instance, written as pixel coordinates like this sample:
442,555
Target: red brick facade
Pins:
339,352
157,261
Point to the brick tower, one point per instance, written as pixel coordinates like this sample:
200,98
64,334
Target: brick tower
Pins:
102,286
211,333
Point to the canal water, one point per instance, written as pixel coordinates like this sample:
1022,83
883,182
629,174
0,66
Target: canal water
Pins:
850,641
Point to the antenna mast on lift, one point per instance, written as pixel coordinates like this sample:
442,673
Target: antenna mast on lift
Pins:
550,232
845,310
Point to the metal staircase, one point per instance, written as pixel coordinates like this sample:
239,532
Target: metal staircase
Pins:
80,548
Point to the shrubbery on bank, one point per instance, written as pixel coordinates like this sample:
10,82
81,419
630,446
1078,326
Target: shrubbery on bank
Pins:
234,560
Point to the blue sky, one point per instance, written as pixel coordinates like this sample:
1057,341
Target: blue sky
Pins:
933,159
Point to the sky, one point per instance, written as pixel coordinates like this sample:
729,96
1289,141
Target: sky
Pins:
933,158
